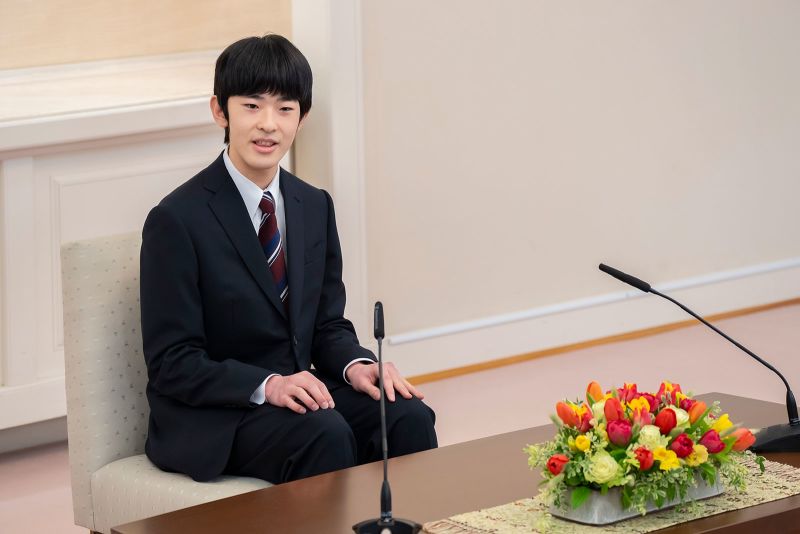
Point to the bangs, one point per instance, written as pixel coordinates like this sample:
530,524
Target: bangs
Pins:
257,65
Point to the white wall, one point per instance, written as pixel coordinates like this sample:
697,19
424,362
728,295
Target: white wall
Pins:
508,149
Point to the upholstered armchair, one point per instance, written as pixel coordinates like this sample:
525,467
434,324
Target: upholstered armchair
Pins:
113,482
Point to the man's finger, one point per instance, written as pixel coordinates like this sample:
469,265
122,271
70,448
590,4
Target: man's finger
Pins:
414,391
294,406
402,387
372,390
303,396
388,385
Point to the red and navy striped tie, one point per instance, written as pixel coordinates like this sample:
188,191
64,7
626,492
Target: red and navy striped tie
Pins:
272,244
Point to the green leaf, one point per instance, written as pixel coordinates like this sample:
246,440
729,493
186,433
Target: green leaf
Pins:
579,496
626,497
670,492
760,462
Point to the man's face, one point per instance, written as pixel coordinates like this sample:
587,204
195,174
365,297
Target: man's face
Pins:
262,128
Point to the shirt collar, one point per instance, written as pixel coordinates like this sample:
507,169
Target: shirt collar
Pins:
251,193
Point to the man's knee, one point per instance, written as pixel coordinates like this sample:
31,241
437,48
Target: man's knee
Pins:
328,431
412,426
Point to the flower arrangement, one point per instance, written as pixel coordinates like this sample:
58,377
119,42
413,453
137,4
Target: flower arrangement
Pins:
653,446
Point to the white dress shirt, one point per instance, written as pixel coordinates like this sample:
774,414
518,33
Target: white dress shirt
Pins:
251,195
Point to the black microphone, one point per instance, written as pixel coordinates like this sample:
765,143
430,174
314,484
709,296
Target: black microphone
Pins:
385,524
776,438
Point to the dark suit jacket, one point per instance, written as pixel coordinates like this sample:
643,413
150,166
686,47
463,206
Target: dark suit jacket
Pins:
213,326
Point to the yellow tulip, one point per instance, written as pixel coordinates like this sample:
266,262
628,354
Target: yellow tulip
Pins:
722,423
582,443
699,455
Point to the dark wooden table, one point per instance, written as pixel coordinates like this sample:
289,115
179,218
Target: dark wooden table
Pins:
440,483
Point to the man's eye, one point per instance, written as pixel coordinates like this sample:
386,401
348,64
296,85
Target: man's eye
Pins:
287,108
251,106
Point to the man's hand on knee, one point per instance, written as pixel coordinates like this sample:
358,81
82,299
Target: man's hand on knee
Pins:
364,378
298,392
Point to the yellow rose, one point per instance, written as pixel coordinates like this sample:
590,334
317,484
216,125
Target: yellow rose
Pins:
582,443
699,455
603,468
722,423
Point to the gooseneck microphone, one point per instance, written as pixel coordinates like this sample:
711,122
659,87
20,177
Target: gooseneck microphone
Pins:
776,438
385,524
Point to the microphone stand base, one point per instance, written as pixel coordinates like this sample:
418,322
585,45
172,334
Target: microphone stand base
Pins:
392,526
777,438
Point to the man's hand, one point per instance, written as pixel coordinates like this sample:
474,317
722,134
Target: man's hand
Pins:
290,391
364,377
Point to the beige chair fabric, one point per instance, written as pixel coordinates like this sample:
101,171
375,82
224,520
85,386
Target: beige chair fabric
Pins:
107,411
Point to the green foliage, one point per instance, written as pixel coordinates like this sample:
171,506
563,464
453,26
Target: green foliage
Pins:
579,496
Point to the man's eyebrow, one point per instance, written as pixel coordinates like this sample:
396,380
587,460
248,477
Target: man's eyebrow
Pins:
256,96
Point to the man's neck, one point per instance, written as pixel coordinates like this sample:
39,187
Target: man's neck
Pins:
261,180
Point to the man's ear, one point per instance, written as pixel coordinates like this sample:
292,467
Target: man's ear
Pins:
217,113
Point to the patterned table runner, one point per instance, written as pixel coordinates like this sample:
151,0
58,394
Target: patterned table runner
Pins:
527,515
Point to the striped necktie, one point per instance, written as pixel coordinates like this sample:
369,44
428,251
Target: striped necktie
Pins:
272,243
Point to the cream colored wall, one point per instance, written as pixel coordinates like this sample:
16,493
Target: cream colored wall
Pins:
59,31
510,150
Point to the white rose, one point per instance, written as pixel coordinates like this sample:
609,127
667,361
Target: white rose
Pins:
650,437
682,417
603,468
597,410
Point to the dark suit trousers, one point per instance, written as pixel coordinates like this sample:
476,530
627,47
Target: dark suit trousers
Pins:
279,445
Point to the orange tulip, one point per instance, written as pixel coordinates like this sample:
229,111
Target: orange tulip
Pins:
613,410
744,439
697,410
594,392
567,414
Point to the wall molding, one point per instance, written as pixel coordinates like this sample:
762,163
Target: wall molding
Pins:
546,328
588,302
636,334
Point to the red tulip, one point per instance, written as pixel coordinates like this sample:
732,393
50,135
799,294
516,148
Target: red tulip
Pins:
712,442
584,423
645,457
567,414
642,417
556,463
744,439
651,400
627,393
696,411
613,410
666,420
670,391
619,432
594,393
682,445
687,403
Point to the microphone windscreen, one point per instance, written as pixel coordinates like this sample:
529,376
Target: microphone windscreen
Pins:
378,320
624,277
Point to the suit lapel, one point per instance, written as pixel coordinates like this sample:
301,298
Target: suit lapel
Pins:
295,242
228,207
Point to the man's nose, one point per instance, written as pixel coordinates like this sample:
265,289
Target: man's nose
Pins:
266,120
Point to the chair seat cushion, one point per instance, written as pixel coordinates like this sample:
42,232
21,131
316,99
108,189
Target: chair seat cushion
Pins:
133,488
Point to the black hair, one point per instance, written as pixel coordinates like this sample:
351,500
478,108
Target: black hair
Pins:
256,65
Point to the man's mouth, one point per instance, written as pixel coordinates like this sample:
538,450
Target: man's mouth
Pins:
265,145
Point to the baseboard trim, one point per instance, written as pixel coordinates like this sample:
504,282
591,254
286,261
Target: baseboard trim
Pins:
635,334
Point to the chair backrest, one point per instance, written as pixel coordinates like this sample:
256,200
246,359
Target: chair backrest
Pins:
107,410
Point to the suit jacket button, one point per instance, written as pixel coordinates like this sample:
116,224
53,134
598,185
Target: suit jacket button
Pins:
294,339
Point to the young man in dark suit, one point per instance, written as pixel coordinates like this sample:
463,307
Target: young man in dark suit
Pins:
241,293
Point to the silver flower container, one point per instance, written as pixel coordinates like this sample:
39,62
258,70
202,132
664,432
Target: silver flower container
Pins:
601,509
